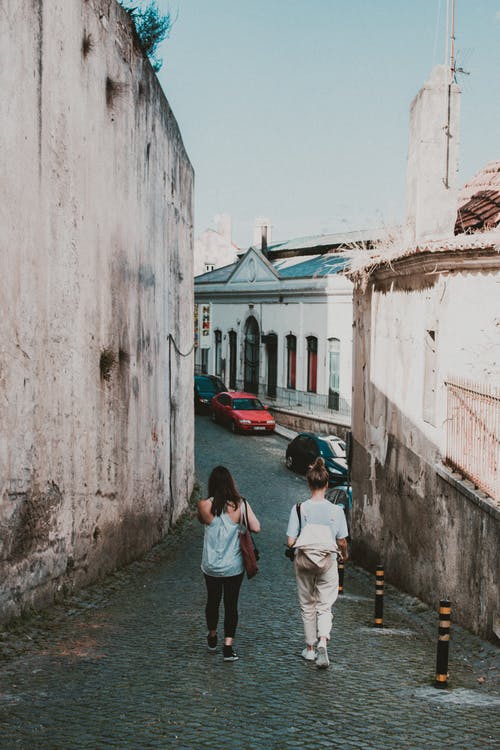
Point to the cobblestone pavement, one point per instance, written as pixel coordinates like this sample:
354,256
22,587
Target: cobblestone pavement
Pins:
124,664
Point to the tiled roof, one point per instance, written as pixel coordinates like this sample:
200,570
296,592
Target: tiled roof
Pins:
311,267
297,267
479,201
382,256
218,274
324,241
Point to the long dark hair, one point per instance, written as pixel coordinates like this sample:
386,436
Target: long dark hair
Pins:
223,490
317,475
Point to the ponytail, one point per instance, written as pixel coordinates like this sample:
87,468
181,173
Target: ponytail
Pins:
317,475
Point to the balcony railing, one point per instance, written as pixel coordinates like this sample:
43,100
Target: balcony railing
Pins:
473,433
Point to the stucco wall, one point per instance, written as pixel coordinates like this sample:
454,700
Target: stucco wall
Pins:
434,539
431,195
96,217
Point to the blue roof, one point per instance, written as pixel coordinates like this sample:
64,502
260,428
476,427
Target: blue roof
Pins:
287,268
324,265
339,239
218,274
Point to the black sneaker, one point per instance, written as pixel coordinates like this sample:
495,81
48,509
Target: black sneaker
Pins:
230,654
212,643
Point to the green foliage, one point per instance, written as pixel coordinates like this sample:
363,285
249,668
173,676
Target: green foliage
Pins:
151,26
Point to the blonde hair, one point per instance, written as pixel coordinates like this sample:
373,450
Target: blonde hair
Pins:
317,475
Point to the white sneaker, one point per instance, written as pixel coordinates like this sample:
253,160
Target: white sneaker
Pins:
309,655
322,661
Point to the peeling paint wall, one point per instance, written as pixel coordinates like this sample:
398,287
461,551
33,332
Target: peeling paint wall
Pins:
434,539
96,440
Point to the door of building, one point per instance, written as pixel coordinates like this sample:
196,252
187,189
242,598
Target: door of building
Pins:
232,359
251,364
272,363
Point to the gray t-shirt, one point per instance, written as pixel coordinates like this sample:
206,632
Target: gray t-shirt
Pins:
221,548
321,512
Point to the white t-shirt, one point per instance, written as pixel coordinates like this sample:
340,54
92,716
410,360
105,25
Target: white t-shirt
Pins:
321,512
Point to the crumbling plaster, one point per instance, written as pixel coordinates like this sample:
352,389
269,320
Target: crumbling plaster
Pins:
433,539
96,216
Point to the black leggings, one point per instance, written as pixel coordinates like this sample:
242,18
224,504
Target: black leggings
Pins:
231,588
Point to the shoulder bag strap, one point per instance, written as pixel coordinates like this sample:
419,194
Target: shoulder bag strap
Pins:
297,508
243,513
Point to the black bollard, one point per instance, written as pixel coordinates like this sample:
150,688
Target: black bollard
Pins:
443,644
340,565
378,621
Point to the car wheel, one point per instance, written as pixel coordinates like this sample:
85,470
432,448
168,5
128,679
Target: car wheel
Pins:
289,462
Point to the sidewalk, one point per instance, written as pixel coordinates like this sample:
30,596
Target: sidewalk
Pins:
284,432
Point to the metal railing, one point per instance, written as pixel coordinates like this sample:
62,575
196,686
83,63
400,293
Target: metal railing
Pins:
311,403
473,433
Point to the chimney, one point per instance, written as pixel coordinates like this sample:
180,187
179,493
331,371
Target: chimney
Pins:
431,183
262,234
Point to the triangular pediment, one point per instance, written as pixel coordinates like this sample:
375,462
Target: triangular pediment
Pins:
253,268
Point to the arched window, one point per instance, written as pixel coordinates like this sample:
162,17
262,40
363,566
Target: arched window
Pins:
312,364
291,361
334,374
218,353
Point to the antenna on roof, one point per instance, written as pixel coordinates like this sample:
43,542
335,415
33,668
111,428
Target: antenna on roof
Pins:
452,40
450,34
453,79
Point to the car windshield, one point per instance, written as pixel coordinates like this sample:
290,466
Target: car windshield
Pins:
247,404
337,447
333,448
209,385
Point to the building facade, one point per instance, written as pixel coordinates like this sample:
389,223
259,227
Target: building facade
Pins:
426,417
214,247
280,325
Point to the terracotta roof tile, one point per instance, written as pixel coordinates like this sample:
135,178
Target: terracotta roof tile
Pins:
479,201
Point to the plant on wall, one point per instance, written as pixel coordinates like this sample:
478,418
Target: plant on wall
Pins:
152,28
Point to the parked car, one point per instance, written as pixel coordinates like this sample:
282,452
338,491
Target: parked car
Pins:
306,447
342,496
242,412
205,388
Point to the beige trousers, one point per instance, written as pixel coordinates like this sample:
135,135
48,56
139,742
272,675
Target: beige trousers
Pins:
317,594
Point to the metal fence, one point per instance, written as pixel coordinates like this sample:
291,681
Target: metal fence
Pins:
473,433
311,403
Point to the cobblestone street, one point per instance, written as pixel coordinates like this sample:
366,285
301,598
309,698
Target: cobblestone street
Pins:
124,663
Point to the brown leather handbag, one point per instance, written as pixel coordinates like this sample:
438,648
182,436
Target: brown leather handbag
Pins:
249,551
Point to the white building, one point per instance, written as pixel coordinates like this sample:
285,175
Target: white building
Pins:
426,416
278,322
214,247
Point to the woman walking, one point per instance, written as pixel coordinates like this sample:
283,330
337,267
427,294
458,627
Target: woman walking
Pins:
317,530
222,563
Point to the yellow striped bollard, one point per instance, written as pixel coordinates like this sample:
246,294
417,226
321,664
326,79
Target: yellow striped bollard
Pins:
378,621
443,644
340,565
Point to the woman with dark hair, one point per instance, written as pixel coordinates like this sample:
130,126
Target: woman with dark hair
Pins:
317,530
222,563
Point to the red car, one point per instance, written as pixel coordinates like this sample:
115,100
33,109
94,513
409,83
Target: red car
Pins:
243,412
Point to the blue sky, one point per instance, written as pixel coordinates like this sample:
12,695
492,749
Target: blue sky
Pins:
298,111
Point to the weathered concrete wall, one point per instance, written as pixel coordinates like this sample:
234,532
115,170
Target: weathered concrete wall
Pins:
96,457
435,539
306,423
431,195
